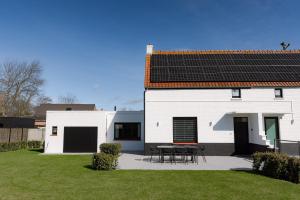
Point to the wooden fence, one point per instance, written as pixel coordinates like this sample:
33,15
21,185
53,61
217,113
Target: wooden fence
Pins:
13,135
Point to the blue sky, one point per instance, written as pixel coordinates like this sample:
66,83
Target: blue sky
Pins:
95,50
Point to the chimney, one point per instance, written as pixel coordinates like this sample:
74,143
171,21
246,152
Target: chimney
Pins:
149,49
115,108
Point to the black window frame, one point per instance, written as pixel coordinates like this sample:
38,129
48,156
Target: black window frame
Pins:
236,97
139,133
196,130
281,93
54,133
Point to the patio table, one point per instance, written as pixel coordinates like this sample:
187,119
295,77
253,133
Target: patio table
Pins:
172,147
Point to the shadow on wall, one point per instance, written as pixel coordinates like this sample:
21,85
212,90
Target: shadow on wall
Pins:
124,117
225,123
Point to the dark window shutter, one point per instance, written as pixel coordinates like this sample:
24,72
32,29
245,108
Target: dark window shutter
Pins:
185,129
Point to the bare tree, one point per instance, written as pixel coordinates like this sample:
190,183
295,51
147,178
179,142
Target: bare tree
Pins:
68,99
20,83
42,99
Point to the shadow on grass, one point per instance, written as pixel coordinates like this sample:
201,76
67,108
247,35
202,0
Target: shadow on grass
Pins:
37,150
89,167
243,169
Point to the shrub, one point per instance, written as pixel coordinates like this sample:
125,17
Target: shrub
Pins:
34,144
104,161
111,148
12,146
277,165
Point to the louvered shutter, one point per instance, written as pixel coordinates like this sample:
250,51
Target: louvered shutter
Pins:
185,129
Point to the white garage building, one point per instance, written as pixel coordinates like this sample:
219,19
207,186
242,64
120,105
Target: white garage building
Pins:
84,131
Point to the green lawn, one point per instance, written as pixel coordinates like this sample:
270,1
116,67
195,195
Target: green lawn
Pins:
28,175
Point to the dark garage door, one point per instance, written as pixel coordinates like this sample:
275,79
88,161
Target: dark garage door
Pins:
80,139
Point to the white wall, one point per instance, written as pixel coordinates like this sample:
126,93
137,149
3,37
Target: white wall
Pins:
102,119
61,119
36,134
215,109
126,116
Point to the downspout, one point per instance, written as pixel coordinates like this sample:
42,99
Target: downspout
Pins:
292,112
145,121
105,127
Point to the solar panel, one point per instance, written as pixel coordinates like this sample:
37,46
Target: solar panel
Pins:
224,67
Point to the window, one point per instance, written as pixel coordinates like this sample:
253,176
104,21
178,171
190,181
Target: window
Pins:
185,130
54,130
68,109
127,131
236,93
278,93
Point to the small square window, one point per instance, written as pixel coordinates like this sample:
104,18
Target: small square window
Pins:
278,93
236,93
54,130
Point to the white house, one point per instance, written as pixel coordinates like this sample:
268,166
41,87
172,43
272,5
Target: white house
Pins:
229,102
226,101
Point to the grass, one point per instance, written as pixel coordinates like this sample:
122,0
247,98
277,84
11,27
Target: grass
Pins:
28,175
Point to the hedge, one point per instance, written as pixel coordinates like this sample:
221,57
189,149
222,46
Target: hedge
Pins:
104,161
107,159
111,148
13,146
277,165
34,144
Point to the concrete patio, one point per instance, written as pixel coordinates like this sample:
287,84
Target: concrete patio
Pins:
141,162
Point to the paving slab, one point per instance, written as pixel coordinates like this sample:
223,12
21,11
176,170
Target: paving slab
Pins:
141,162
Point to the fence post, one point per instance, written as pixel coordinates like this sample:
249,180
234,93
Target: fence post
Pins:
22,135
9,135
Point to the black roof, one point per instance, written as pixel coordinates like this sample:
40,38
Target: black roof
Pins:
236,67
16,122
40,111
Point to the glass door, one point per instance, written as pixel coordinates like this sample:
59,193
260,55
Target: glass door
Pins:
271,129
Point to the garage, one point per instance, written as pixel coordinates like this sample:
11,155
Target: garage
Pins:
80,139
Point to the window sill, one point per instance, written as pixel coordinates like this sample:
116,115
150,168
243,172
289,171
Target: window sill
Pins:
236,99
53,135
183,143
127,139
279,98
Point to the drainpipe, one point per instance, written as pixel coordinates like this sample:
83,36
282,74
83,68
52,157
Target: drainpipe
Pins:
292,112
105,127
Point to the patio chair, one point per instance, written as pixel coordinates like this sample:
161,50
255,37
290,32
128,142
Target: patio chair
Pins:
201,151
193,152
167,152
183,152
154,152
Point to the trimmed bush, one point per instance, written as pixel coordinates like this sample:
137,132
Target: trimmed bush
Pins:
277,165
12,146
107,159
34,144
104,161
111,148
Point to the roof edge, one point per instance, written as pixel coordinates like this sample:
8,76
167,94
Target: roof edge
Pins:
227,51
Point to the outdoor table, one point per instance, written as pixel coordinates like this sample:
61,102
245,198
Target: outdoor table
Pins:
162,147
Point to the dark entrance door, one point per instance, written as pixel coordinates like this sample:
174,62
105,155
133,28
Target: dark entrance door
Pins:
241,135
80,139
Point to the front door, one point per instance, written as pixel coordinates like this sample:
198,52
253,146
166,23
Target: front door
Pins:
272,129
241,135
